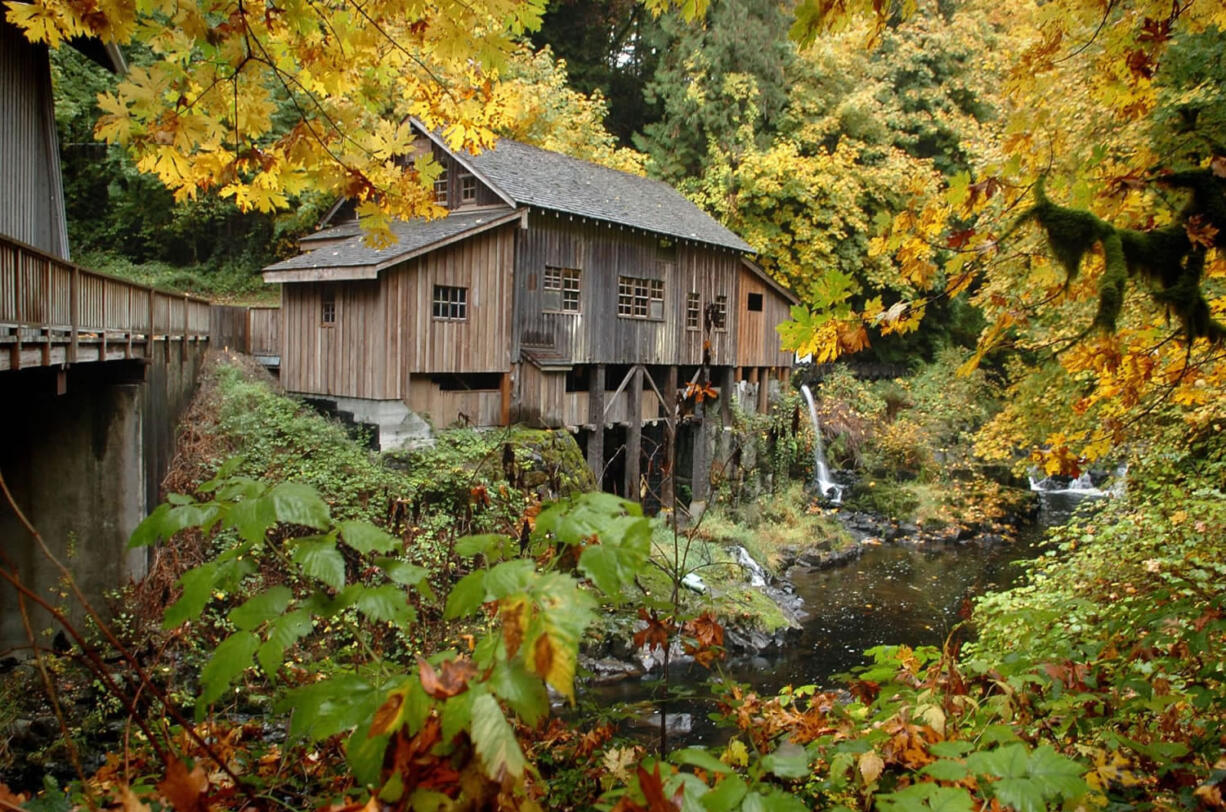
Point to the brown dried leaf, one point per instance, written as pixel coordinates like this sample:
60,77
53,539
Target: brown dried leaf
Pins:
387,715
452,680
184,790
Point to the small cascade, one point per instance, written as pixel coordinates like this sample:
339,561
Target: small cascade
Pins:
826,486
753,570
1081,486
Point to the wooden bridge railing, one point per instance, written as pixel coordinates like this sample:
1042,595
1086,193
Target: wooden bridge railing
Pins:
54,312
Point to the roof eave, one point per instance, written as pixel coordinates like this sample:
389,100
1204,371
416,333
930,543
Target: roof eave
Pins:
761,273
371,270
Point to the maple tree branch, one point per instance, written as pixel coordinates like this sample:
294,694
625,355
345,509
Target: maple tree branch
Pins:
416,60
1110,7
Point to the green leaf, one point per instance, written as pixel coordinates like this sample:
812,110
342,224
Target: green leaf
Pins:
149,531
197,585
509,577
289,628
296,503
402,572
332,706
365,537
950,799
466,596
790,760
950,749
522,690
252,518
726,795
1004,762
320,559
179,499
456,715
485,544
386,603
1056,775
229,660
946,770
364,754
494,740
697,757
262,607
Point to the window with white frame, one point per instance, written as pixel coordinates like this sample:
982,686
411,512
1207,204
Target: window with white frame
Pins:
450,303
468,188
560,290
440,188
693,311
640,298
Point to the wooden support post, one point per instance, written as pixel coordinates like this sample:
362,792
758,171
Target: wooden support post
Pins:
764,388
102,327
634,434
183,343
595,416
127,350
149,328
726,385
74,313
668,489
700,473
46,354
504,392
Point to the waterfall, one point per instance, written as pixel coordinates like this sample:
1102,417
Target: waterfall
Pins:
826,486
1082,485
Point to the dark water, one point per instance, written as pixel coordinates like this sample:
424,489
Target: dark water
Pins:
892,594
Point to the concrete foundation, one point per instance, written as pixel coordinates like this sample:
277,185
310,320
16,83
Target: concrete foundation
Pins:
397,427
84,453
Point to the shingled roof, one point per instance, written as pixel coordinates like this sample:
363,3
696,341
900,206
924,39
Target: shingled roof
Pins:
550,180
354,259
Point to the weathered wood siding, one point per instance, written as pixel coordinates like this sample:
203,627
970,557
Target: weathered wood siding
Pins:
264,331
597,334
479,343
348,358
30,186
485,195
449,408
757,339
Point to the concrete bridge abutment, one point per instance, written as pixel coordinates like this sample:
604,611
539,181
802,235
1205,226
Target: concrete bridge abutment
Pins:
84,452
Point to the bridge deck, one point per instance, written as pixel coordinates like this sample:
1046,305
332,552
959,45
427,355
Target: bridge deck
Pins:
53,312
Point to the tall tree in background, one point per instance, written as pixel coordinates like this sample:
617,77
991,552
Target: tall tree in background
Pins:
860,129
609,49
1090,227
716,79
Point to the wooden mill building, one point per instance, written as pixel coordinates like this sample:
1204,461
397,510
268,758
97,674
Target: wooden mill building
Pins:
556,293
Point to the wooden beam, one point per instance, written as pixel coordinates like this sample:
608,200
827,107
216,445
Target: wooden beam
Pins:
595,411
700,472
620,388
634,434
764,388
74,313
504,407
726,385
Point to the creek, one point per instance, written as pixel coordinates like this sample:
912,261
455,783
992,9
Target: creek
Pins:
890,594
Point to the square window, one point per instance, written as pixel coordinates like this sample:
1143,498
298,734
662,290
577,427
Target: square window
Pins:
450,303
468,188
561,290
693,310
754,303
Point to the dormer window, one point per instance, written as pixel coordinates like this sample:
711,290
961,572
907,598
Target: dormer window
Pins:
468,188
440,188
